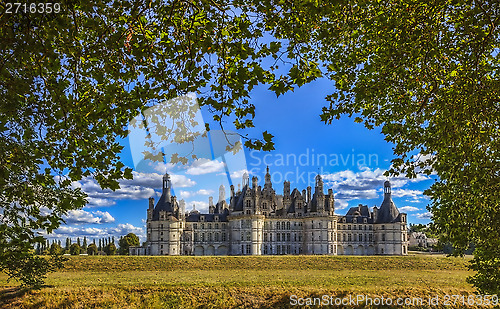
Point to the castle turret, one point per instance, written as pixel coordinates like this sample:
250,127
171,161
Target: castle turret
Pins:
387,212
167,185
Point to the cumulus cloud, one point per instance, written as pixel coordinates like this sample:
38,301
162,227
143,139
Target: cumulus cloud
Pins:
408,208
406,193
366,184
141,187
341,204
93,232
80,216
425,215
205,166
188,194
202,206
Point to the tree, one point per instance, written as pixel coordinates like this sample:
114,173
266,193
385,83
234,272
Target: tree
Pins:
68,244
128,240
71,81
92,249
428,75
110,249
84,245
55,249
74,249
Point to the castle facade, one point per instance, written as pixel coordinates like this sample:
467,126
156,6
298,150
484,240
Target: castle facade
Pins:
257,221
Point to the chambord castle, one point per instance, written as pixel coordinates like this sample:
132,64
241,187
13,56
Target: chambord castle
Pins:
257,221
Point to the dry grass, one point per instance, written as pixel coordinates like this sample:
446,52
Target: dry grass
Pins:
228,282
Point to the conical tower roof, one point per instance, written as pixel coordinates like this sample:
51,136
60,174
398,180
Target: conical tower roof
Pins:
388,212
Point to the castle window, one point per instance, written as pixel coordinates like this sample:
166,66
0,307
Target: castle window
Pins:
349,227
383,237
364,220
343,237
249,212
195,236
242,236
209,236
202,226
249,236
265,249
299,205
265,236
202,218
195,226
278,225
248,249
216,220
161,246
283,238
349,237
283,225
383,227
300,237
161,233
360,227
264,205
299,214
216,225
161,252
370,227
288,225
278,237
355,220
295,237
223,236
248,203
202,237
161,226
360,237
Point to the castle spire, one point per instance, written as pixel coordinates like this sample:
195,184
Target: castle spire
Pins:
167,185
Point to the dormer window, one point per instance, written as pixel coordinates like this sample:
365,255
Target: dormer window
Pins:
202,218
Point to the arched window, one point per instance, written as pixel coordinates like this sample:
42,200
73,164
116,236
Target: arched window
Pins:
264,205
288,225
248,203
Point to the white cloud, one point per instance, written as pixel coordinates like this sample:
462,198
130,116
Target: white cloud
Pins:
238,174
341,204
188,194
408,208
80,216
367,183
406,192
181,181
92,232
205,166
201,206
141,187
425,215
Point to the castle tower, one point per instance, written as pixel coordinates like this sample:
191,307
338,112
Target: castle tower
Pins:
245,180
222,193
268,184
167,185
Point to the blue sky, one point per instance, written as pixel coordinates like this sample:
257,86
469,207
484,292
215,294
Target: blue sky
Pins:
351,158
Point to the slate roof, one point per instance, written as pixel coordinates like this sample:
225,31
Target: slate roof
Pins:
163,204
195,217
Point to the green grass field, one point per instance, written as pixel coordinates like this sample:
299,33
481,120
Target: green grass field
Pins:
227,282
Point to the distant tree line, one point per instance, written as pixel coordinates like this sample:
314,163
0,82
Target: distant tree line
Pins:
101,246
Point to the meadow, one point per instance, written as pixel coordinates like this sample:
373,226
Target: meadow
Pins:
241,282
